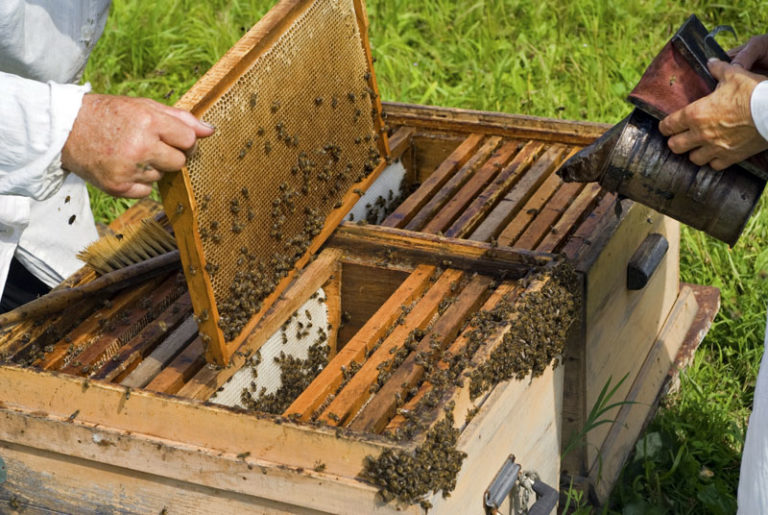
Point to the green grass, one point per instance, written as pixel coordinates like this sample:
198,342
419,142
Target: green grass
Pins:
572,60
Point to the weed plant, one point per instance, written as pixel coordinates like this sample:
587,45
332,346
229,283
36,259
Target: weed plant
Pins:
571,60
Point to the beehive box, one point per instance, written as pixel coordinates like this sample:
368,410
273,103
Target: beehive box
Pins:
131,422
111,406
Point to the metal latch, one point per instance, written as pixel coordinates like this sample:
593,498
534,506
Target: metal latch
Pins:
506,479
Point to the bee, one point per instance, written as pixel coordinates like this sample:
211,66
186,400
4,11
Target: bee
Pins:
252,100
275,106
318,101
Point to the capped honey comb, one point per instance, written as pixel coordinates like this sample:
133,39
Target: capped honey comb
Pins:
299,131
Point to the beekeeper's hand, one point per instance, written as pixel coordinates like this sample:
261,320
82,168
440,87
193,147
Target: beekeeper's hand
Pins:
122,145
753,55
718,129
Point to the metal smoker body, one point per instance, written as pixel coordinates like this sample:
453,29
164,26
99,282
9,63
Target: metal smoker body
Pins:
633,158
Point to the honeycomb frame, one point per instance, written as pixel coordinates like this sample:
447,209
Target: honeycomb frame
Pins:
299,138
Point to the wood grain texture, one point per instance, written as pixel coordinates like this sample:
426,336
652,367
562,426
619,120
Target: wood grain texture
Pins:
416,200
150,366
415,247
173,377
375,415
358,389
190,423
456,181
459,200
547,217
331,377
447,119
307,282
487,199
576,210
506,209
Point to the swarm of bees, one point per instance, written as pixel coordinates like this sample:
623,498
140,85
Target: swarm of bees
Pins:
408,477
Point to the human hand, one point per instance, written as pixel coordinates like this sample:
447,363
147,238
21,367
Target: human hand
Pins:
753,55
122,144
718,129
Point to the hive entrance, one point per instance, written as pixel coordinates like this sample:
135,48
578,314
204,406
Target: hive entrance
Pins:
297,141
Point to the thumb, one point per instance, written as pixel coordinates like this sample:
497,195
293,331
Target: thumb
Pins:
717,68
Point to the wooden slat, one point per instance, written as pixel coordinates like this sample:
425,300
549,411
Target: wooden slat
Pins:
567,223
416,200
400,141
448,119
160,332
508,207
458,347
377,325
583,236
485,201
177,191
172,378
455,182
162,355
548,216
191,423
414,247
459,397
528,212
357,390
208,379
133,319
89,330
469,191
375,415
332,290
13,341
629,420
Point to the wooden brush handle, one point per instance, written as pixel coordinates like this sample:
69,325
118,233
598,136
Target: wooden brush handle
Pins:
57,300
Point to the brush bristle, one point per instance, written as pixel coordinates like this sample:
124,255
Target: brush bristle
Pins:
137,243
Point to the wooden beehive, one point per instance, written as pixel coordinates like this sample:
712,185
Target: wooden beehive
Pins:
112,405
130,403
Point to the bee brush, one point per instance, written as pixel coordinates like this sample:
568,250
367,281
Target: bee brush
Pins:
142,251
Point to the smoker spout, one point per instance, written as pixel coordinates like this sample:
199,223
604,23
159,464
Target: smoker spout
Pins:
587,165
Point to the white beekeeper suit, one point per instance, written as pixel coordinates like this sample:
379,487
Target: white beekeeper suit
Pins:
753,479
45,217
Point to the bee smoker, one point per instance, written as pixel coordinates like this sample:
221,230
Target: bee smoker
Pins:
633,159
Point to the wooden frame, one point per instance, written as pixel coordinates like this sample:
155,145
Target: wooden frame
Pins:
125,432
177,190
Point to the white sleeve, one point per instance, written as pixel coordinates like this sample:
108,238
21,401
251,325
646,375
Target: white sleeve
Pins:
36,120
758,105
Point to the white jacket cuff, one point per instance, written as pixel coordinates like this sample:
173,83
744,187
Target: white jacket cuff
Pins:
38,118
758,105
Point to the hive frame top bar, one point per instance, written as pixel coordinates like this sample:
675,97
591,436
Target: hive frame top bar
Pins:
303,75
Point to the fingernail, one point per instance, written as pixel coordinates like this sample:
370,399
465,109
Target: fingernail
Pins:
712,59
209,125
